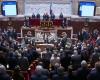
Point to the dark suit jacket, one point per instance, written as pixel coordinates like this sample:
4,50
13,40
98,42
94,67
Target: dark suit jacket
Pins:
39,77
4,75
52,17
76,61
55,77
94,75
33,16
63,42
61,16
12,61
82,73
38,16
23,63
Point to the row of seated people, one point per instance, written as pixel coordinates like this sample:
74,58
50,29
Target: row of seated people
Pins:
55,63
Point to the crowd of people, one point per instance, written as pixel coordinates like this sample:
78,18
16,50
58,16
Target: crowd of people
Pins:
15,53
67,60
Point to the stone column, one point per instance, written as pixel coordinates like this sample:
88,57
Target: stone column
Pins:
21,6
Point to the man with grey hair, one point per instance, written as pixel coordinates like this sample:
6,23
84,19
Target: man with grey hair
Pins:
84,64
3,73
75,59
54,59
83,71
39,67
95,72
39,74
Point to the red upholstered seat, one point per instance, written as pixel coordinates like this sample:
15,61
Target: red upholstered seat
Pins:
34,22
26,75
57,22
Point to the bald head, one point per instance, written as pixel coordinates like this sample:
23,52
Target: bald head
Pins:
83,63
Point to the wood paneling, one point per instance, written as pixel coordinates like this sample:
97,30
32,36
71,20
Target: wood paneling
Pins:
16,24
77,25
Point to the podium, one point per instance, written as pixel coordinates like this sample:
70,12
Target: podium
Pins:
46,24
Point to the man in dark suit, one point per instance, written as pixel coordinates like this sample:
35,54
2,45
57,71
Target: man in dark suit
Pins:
64,40
39,75
38,16
12,33
12,60
52,16
46,58
23,63
95,73
85,54
33,16
65,58
85,34
83,71
46,17
55,77
61,16
3,73
75,59
80,36
95,56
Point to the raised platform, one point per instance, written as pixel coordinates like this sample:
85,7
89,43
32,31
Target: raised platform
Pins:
56,30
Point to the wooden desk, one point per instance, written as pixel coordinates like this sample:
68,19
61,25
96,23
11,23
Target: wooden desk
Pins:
68,30
43,46
24,31
36,22
57,31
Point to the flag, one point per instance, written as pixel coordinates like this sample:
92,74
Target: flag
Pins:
51,8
